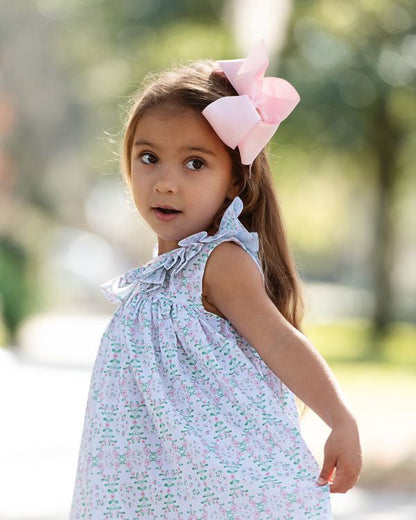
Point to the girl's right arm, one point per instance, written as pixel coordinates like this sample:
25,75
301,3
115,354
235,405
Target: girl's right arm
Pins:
233,284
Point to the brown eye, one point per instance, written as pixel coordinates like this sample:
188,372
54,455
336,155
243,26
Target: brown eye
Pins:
195,164
148,158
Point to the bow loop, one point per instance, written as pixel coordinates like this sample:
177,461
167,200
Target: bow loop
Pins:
278,100
239,116
263,104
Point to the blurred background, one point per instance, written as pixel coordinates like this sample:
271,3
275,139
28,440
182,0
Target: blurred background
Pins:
344,165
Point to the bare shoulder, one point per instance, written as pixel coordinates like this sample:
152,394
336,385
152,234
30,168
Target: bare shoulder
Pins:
230,264
234,287
230,270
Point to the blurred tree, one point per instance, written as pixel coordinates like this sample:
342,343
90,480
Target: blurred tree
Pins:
354,65
38,144
65,66
68,65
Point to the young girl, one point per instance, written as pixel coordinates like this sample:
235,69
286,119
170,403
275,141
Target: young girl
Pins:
191,411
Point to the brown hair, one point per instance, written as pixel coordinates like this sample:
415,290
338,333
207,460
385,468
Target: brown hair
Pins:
195,86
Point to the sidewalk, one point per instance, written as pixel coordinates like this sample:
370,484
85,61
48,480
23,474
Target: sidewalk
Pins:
43,396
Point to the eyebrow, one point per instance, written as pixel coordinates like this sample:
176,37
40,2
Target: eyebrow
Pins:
145,143
199,149
142,142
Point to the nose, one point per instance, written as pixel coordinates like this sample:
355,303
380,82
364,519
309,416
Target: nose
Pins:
166,181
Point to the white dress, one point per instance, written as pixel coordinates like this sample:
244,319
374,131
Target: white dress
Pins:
184,420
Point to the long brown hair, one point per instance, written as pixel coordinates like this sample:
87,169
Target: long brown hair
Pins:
195,86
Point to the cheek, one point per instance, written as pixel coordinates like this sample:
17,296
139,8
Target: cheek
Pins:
139,189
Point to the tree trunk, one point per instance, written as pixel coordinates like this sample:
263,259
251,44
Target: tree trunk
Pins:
386,142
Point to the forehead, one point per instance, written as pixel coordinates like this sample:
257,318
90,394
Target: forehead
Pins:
170,125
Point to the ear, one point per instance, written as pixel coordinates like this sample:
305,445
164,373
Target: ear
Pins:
233,190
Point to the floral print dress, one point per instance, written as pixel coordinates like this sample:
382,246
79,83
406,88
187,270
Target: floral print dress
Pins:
184,420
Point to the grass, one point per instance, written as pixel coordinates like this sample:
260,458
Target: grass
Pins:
351,341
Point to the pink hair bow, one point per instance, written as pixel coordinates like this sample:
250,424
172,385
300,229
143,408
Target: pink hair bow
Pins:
250,119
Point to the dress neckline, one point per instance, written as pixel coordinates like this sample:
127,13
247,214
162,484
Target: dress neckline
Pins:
153,273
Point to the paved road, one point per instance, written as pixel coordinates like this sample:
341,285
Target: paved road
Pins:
42,402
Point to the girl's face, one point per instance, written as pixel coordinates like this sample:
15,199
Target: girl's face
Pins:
181,174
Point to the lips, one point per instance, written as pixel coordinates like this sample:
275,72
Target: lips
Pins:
166,209
165,213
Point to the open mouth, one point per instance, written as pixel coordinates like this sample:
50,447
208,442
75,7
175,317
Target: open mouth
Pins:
167,211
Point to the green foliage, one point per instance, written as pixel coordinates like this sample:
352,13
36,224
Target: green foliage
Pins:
117,45
16,295
347,59
3,332
353,64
